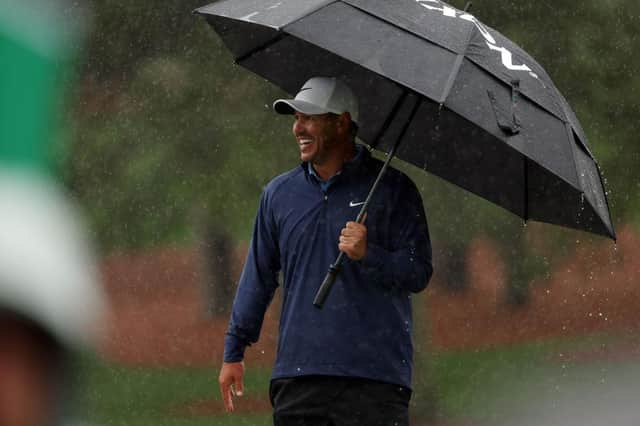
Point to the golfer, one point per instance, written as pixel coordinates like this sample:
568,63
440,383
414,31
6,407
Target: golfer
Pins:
350,362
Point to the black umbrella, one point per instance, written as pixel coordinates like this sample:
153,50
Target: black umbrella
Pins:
462,101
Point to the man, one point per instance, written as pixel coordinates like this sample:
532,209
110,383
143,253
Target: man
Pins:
350,362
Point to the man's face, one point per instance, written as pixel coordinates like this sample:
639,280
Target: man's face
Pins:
317,137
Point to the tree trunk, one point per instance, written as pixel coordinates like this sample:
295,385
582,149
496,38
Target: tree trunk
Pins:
217,282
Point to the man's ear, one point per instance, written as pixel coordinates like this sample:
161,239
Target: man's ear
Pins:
344,120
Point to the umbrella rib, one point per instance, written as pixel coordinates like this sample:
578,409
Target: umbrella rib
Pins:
573,137
452,77
311,12
260,47
606,201
570,136
456,67
389,118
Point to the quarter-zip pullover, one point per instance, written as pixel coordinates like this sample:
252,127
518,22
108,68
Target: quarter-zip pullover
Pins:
364,328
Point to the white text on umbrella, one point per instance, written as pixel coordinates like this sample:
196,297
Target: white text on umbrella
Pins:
505,55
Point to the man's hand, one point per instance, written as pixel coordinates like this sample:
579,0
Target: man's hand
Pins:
231,385
353,240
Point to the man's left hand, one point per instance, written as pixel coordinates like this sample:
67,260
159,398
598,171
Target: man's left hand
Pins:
353,240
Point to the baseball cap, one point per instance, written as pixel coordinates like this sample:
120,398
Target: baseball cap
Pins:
321,95
47,270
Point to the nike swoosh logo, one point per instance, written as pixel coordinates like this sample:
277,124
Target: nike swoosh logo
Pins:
352,204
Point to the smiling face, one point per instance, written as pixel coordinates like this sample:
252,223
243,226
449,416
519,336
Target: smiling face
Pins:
318,137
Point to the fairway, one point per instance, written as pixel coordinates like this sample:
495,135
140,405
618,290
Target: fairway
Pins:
491,386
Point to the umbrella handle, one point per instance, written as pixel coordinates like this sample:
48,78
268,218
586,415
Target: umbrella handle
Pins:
328,282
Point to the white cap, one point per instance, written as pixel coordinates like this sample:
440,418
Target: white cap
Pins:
321,95
47,269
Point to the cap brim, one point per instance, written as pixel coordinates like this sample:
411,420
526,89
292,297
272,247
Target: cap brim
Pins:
290,106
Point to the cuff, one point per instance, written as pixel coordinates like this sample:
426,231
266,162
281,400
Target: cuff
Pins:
233,348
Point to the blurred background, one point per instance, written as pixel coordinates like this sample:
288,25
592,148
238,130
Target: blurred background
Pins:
166,146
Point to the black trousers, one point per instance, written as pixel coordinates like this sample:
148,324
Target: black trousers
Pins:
338,401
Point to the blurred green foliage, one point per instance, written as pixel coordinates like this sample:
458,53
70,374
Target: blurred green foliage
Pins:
168,131
170,135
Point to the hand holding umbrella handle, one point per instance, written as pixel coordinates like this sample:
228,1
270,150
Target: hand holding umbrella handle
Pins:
335,268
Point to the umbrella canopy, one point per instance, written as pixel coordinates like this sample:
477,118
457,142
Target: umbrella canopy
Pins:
481,112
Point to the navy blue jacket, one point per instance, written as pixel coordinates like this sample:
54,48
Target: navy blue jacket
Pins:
364,328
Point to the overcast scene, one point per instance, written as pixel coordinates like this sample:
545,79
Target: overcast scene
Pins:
319,212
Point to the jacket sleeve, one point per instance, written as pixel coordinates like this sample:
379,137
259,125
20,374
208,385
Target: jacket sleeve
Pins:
407,262
256,287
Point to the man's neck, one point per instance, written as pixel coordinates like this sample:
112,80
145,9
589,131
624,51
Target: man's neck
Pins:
333,166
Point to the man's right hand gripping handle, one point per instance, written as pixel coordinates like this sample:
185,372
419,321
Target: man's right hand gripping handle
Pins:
231,375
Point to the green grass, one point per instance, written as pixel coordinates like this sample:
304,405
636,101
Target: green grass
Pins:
485,386
116,395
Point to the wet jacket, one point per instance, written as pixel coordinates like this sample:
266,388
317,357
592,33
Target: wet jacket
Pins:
364,328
